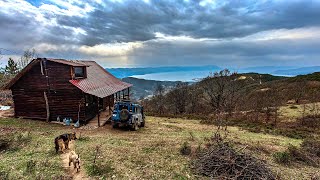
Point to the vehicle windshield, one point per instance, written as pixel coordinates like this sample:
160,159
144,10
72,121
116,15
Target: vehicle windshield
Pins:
121,106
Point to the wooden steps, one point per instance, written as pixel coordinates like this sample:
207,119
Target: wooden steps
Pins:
104,118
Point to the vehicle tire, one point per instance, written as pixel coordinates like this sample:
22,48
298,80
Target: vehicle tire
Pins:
124,114
115,125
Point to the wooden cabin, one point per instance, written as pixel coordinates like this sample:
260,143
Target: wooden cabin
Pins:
50,88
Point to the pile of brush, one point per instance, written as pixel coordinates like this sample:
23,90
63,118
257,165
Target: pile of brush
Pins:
221,161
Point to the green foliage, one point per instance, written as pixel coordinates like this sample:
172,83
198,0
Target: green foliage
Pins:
307,153
282,157
12,68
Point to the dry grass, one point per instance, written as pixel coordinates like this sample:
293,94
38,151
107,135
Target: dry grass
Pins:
152,152
292,112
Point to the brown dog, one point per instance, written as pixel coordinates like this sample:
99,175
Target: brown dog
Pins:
75,159
66,138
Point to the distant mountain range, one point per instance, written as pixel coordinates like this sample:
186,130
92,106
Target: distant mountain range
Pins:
275,70
298,71
144,88
265,69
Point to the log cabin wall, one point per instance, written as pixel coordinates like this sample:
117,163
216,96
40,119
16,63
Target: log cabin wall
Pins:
63,97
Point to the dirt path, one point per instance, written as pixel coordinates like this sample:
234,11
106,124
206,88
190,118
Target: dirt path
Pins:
71,170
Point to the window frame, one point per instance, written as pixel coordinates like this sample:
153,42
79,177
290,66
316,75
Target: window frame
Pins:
79,77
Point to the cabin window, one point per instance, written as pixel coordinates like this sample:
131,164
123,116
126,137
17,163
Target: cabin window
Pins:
79,72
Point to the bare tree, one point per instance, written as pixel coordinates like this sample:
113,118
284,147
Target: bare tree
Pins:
26,58
159,98
265,102
221,91
195,96
300,90
178,97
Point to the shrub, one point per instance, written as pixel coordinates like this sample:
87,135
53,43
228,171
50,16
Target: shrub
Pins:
298,154
307,154
311,145
282,157
310,121
99,168
185,149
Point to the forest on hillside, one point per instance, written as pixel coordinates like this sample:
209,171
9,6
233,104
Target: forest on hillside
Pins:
240,99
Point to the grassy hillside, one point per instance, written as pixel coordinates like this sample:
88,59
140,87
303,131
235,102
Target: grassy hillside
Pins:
150,153
144,88
309,77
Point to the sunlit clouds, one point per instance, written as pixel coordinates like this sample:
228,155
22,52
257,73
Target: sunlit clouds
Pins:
162,33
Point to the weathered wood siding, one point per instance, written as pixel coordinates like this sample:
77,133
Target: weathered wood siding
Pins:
64,98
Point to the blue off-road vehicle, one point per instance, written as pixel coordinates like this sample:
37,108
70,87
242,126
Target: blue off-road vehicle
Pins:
126,113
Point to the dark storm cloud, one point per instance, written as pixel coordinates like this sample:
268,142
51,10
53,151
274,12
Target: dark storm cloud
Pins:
60,30
15,28
137,21
238,48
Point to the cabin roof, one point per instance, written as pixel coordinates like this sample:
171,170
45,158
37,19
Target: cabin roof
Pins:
68,62
98,82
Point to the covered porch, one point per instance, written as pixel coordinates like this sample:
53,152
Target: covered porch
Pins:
99,110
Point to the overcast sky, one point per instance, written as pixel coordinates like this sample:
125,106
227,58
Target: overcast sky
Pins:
132,33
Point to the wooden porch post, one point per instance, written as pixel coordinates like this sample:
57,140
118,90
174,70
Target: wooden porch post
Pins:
98,112
128,93
47,106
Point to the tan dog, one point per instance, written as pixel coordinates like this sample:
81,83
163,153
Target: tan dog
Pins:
75,159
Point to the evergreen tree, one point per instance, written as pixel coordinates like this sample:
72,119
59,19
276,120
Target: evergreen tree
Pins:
11,68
